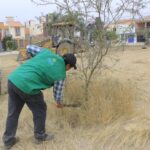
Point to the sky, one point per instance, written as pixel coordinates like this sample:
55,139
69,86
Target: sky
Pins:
22,10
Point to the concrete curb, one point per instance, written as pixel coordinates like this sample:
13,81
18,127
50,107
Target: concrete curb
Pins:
9,53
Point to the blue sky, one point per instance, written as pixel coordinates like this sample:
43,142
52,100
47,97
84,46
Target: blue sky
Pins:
22,10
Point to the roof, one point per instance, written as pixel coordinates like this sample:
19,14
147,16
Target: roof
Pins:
126,21
144,19
2,25
14,23
131,21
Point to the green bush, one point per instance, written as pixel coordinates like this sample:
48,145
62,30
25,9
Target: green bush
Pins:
4,41
9,43
111,35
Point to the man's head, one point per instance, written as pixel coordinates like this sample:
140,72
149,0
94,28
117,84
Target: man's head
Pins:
70,61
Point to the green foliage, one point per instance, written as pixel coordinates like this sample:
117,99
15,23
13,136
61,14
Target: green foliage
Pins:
102,34
73,17
4,41
9,43
97,34
111,35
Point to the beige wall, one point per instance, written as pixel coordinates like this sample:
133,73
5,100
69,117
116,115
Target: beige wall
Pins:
35,28
1,30
12,31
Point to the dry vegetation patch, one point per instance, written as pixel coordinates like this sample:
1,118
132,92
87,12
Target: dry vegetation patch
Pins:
109,99
110,120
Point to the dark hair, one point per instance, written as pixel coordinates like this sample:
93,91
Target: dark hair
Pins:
70,58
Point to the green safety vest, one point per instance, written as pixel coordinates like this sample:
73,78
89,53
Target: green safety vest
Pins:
39,73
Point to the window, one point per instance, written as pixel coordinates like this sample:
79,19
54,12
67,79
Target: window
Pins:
17,31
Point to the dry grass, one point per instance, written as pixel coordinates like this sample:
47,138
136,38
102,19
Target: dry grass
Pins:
124,134
112,119
109,99
75,127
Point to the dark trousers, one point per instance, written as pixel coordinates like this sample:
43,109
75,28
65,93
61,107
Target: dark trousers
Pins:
16,101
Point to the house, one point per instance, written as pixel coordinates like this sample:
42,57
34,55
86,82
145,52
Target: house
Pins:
23,34
2,29
16,30
132,31
36,28
143,29
126,31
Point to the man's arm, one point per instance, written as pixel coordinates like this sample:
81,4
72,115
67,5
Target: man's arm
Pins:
58,92
33,50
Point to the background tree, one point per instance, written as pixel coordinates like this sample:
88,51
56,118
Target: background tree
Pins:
101,13
51,18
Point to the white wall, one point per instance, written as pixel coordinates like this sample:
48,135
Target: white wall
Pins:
2,33
126,31
123,28
35,27
12,31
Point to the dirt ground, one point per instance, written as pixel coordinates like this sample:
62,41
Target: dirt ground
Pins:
132,64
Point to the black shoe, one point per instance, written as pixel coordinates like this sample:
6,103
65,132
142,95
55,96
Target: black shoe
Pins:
11,144
47,137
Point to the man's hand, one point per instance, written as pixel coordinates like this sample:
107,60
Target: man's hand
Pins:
59,105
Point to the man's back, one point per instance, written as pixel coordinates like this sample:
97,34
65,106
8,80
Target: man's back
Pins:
39,72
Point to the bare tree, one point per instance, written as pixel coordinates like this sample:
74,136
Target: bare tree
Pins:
98,16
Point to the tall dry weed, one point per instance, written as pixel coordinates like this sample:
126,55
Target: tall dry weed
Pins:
108,100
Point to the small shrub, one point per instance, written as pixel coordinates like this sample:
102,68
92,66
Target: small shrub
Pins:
9,43
4,41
